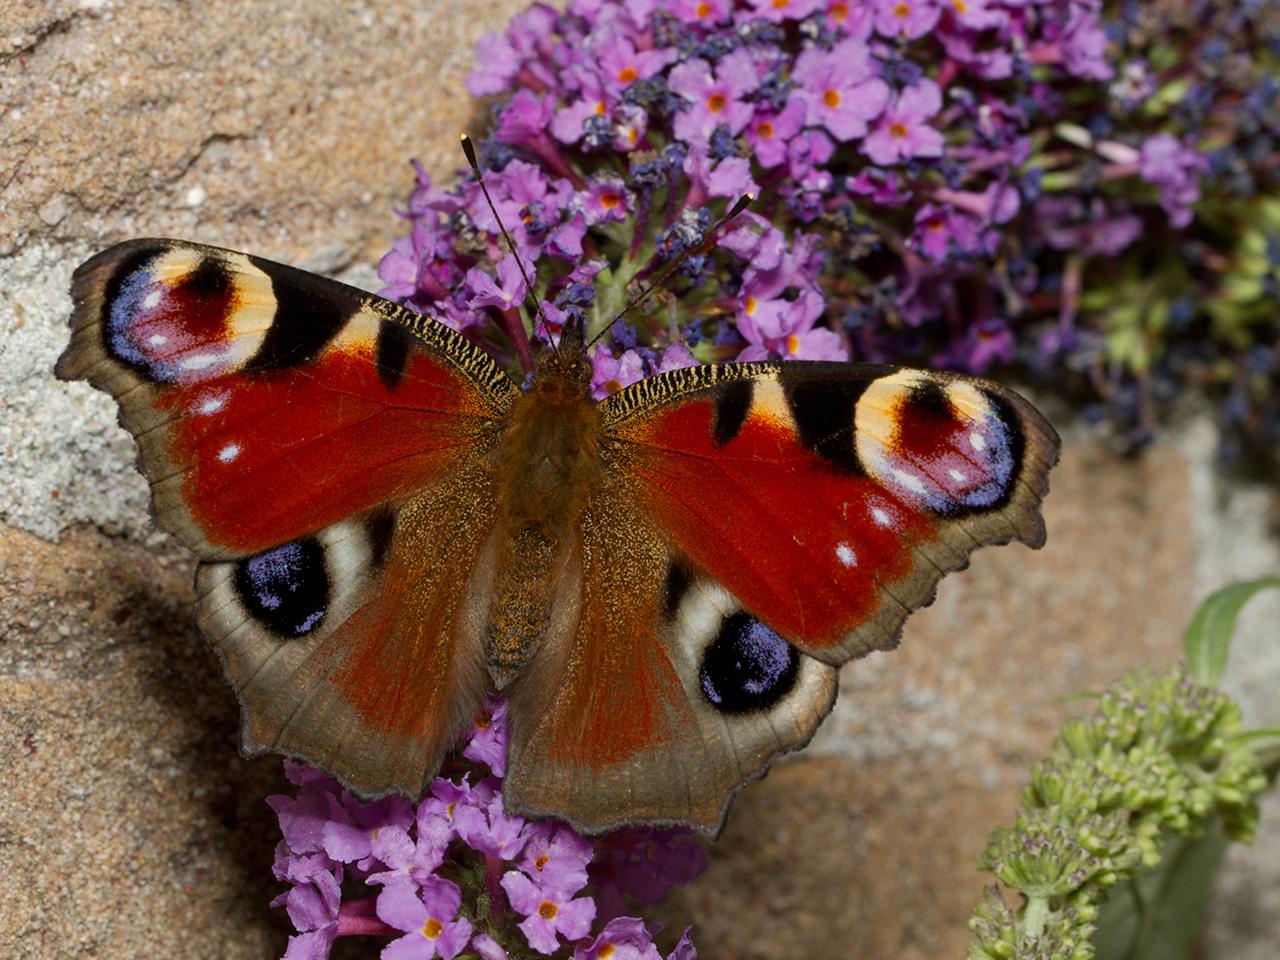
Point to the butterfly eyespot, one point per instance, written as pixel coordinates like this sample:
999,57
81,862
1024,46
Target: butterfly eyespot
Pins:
951,447
176,316
286,588
747,666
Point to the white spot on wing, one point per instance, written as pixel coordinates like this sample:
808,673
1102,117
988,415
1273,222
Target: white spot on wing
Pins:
957,476
201,361
151,300
845,554
212,404
229,452
157,339
880,517
909,480
977,441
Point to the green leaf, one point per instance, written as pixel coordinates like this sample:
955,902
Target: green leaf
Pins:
1208,636
1158,915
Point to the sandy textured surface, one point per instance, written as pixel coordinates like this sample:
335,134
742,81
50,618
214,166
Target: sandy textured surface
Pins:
129,827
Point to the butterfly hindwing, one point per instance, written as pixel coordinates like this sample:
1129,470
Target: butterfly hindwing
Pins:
268,402
358,647
656,694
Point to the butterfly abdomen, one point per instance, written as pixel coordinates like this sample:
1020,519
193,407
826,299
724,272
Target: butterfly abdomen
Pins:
549,465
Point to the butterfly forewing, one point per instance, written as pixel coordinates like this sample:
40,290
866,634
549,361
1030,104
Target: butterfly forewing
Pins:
267,402
830,498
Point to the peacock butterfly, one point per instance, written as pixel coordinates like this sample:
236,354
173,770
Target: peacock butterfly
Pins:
663,584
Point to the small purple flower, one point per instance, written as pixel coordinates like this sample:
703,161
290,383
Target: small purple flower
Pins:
409,861
623,938
548,911
506,292
713,99
491,830
497,66
313,910
430,922
905,18
675,357
1175,168
569,122
556,855
349,835
769,132
488,742
785,329
609,374
839,88
777,11
987,342
607,200
706,12
940,229
903,132
622,65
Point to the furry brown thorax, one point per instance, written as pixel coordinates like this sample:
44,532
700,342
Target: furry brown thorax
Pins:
549,465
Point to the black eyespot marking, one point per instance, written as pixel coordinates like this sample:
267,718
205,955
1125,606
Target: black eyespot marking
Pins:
928,400
308,315
748,666
732,406
391,353
678,582
286,589
823,411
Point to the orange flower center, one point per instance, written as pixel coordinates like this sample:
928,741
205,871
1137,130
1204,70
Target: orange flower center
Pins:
605,952
613,386
793,343
703,10
898,130
765,130
902,11
431,929
716,102
839,12
542,860
750,306
781,4
960,6
546,909
627,74
600,109
831,98
609,200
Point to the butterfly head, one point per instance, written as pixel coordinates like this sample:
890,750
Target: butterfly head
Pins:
568,359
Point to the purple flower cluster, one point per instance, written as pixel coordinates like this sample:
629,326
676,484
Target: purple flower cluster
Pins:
456,873
957,182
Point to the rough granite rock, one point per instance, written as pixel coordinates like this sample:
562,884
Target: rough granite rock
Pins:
129,827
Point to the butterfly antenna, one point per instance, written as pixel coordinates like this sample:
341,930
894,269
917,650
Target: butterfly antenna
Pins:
669,270
469,149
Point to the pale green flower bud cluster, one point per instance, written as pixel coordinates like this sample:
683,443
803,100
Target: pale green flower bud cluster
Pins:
1156,759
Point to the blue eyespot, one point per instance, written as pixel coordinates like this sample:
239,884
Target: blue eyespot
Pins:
748,666
286,588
